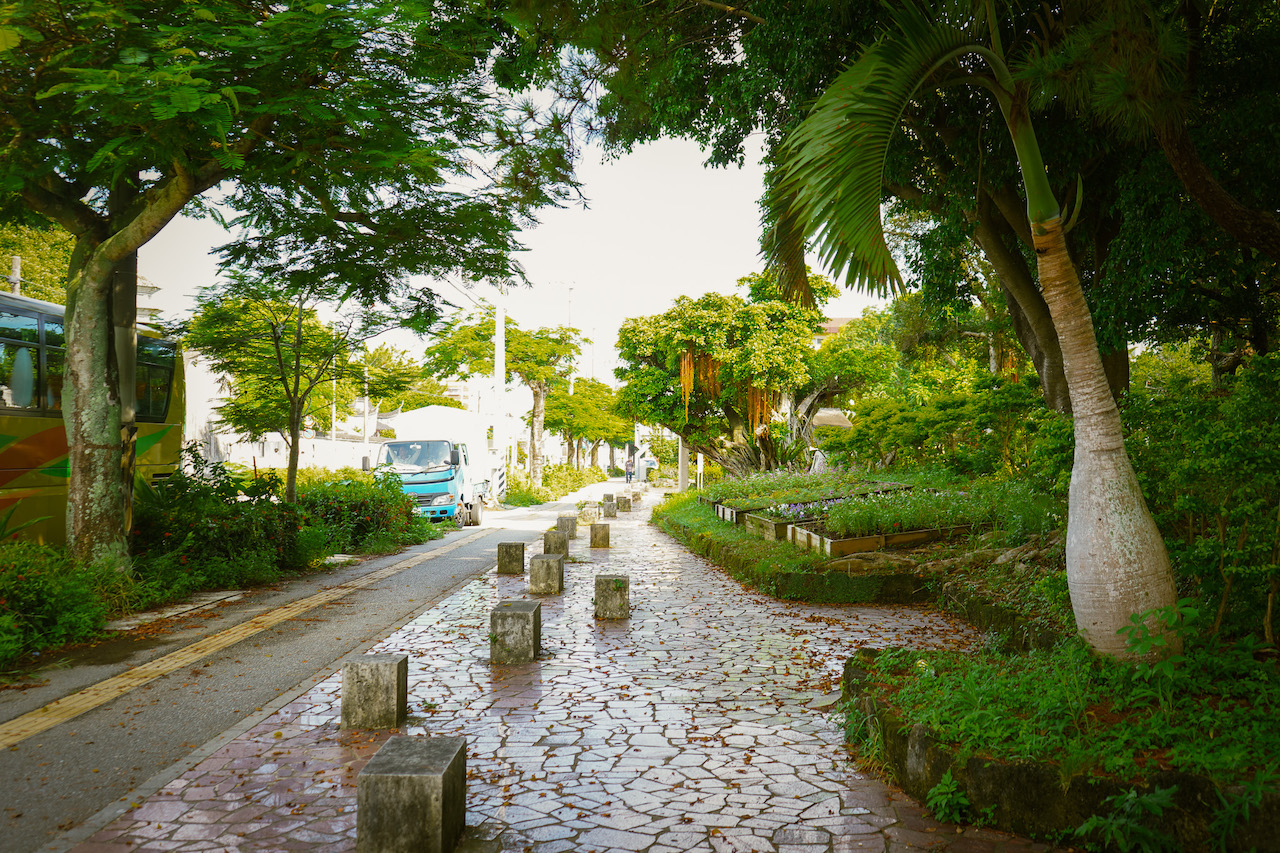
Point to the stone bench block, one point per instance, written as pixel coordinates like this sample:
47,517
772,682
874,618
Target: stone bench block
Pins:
599,536
412,796
624,503
546,574
555,542
375,692
609,509
613,597
607,498
510,558
515,631
568,525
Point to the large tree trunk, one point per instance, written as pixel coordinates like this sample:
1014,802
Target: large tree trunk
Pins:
1256,228
96,496
1117,564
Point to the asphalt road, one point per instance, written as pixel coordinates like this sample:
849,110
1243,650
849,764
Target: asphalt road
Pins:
54,781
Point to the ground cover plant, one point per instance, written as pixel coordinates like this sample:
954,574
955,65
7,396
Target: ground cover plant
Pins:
1009,505
46,599
758,562
1210,711
782,488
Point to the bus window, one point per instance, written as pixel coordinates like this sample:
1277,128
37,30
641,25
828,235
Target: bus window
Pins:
54,336
17,375
153,391
54,369
19,327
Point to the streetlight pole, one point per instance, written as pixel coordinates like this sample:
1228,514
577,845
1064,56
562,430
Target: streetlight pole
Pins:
500,376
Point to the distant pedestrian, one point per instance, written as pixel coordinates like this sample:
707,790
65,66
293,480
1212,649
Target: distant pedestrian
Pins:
631,468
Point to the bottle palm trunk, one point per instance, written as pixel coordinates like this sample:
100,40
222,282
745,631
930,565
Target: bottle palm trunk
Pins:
1117,564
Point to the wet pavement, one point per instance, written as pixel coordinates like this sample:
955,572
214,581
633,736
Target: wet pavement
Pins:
705,722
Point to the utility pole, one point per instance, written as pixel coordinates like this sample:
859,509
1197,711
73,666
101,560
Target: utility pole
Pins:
15,278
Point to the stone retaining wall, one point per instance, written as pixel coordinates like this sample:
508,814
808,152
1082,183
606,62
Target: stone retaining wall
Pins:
1033,798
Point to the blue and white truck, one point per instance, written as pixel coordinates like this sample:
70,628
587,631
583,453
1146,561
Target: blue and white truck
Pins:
442,458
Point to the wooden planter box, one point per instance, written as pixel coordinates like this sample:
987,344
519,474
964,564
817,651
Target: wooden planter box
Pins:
804,536
735,516
767,528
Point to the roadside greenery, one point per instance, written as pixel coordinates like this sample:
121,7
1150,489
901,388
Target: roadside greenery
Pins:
1011,506
558,481
213,527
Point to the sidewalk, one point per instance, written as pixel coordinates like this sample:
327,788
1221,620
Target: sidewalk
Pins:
704,722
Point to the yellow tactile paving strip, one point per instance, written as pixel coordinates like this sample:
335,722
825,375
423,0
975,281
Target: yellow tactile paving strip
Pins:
60,710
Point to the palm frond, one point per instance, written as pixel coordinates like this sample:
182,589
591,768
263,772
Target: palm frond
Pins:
833,163
783,246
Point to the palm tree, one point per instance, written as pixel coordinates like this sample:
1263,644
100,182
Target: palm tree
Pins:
831,182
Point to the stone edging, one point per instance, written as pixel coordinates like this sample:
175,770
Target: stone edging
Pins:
1032,798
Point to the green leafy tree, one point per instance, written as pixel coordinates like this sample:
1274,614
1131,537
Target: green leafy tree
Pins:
587,413
1117,564
740,366
45,253
278,355
362,128
464,348
390,363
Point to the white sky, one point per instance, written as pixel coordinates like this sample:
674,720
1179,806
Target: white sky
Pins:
658,225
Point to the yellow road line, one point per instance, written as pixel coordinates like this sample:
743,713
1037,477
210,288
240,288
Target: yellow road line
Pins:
60,710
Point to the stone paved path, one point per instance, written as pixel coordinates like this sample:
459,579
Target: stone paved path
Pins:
705,722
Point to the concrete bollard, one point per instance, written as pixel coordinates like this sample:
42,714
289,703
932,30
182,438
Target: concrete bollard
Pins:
624,503
555,542
412,796
608,498
515,631
599,536
613,597
546,574
568,525
610,509
510,558
375,692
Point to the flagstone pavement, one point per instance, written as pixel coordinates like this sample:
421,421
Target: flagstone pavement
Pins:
706,722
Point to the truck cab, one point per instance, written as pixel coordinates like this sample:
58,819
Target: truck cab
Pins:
439,476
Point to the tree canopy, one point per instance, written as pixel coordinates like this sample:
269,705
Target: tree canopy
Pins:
464,347
277,354
374,127
718,370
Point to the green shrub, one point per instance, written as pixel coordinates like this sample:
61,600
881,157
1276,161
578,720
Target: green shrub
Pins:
356,512
45,599
557,481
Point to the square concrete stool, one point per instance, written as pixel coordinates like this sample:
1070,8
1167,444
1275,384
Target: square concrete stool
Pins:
599,536
546,574
613,597
412,796
607,498
555,542
609,509
568,525
624,503
515,631
375,692
510,558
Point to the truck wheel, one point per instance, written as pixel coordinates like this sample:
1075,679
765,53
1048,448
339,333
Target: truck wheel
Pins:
475,512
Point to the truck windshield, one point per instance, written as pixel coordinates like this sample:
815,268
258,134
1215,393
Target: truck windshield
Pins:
417,454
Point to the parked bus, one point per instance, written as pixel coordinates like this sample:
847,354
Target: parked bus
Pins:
34,464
